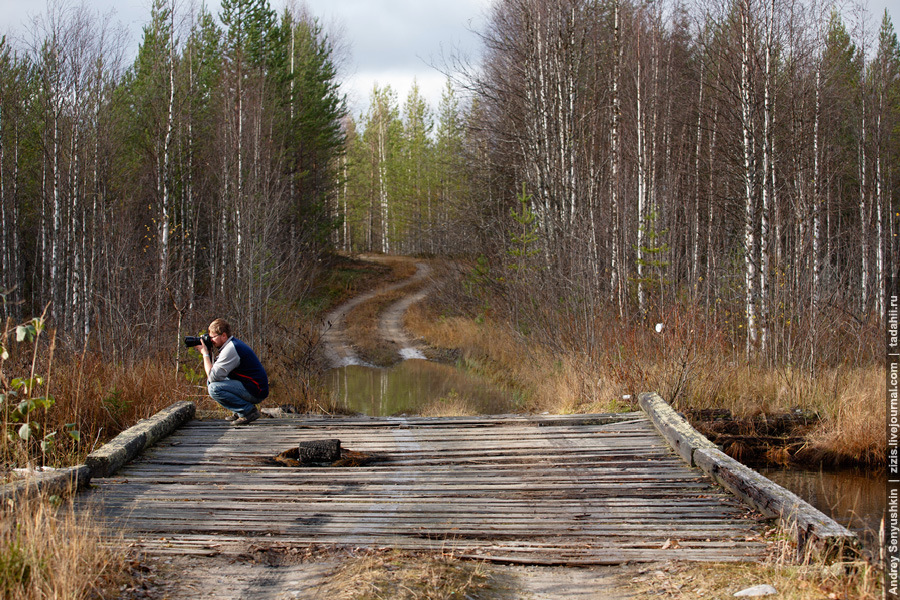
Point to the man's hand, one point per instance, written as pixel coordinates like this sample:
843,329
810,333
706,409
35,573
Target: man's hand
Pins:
207,359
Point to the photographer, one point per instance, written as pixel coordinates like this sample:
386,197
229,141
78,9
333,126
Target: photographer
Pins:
237,380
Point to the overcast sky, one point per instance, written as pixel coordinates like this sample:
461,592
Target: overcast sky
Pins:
389,42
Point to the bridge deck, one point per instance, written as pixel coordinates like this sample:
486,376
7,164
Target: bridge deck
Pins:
539,490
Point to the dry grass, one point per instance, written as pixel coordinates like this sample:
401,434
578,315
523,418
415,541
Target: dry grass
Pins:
848,402
451,405
397,575
845,581
688,363
549,382
720,581
48,551
96,397
810,577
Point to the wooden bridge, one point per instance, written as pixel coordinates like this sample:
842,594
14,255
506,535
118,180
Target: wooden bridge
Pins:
577,490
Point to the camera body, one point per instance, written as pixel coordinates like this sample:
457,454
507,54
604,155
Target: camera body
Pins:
195,340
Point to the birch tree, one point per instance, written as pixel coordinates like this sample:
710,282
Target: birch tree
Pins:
885,76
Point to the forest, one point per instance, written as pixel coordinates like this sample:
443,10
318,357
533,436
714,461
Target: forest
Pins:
733,159
725,171
202,173
737,157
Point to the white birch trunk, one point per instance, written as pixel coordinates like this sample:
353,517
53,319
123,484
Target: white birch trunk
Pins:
816,191
6,272
695,253
382,186
13,237
764,259
239,189
616,274
164,175
74,304
711,192
641,185
863,215
879,232
56,291
747,142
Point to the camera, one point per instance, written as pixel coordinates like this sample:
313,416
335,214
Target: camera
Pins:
195,340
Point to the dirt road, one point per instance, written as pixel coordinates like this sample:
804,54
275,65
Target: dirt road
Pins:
340,349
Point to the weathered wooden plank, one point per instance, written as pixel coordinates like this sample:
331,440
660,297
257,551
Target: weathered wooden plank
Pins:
551,491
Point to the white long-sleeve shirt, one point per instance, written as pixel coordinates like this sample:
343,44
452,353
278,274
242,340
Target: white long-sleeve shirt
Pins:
226,362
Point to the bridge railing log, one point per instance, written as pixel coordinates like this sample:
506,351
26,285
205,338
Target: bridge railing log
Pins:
104,461
123,448
815,531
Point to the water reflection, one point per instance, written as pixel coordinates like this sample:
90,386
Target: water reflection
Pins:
854,498
410,386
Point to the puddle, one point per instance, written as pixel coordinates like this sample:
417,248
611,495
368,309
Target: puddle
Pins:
853,497
411,386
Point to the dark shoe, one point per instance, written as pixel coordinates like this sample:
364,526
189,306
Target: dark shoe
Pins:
233,417
247,419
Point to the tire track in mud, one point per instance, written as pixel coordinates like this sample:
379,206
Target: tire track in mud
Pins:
338,347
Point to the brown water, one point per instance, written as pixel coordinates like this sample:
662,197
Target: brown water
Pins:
853,497
412,385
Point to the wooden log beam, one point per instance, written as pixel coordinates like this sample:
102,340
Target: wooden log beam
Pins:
814,530
58,482
683,438
311,452
109,458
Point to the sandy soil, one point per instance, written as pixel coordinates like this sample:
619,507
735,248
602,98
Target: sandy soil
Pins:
223,578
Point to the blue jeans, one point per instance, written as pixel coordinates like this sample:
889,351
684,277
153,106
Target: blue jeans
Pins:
232,395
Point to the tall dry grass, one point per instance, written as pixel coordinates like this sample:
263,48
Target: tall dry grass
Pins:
451,405
91,396
411,576
49,551
690,361
548,381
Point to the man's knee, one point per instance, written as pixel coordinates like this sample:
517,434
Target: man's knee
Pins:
216,389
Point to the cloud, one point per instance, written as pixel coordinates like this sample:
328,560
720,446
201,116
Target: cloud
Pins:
389,41
359,87
395,41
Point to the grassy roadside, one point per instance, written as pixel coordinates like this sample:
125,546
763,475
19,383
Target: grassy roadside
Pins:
47,551
412,576
807,581
846,402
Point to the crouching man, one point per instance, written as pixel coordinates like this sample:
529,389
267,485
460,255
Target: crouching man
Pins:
237,380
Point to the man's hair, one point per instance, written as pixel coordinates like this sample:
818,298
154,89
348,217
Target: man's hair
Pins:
220,326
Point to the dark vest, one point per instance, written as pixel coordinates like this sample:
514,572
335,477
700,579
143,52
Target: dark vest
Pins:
250,371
